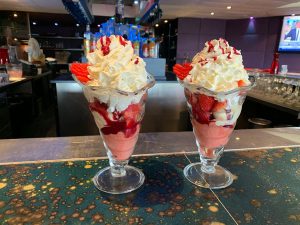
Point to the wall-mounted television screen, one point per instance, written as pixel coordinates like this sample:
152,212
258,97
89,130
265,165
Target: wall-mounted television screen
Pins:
290,34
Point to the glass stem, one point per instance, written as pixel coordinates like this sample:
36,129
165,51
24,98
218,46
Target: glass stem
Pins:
210,159
118,167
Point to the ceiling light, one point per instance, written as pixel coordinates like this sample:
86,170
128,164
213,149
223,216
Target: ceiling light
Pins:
33,23
15,39
251,17
212,13
228,7
15,15
77,25
136,2
98,25
56,24
166,21
293,14
157,25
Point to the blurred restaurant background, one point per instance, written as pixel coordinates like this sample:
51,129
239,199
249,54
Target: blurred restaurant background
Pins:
38,40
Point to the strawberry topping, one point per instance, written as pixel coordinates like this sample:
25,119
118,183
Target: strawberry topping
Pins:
126,121
122,41
182,71
218,106
80,71
136,61
132,112
229,55
105,46
236,52
210,47
206,102
200,115
241,83
222,49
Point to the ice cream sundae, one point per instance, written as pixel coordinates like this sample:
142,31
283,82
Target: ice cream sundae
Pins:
215,85
115,83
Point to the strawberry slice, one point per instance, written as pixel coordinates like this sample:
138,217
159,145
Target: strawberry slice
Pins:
206,102
131,114
130,123
202,116
122,41
241,83
218,106
83,79
182,71
80,71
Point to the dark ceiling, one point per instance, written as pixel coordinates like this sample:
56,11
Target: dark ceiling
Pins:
112,2
65,20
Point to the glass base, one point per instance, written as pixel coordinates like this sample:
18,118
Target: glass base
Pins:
132,180
221,178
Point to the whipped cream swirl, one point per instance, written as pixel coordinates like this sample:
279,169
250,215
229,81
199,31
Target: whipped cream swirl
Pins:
218,67
114,65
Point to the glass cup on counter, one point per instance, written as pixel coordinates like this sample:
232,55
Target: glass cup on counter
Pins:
212,128
284,69
14,71
119,126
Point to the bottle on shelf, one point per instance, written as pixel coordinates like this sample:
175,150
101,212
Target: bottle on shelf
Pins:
275,64
87,40
151,47
145,49
136,46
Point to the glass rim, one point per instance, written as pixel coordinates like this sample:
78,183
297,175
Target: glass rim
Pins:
150,83
198,88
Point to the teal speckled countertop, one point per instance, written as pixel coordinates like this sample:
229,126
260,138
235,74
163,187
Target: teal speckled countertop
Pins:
265,191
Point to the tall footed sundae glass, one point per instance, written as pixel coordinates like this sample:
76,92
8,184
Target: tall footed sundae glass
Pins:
215,86
115,83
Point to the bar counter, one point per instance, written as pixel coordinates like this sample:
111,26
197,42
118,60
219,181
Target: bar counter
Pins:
165,111
48,181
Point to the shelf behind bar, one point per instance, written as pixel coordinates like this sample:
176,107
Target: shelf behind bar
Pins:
62,49
57,37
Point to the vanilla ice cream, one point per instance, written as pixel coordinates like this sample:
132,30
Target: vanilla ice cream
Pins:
114,66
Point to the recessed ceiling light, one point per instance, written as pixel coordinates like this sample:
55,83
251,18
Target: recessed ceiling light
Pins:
77,25
166,21
251,17
15,15
293,14
228,7
157,25
136,2
98,25
33,23
56,24
212,13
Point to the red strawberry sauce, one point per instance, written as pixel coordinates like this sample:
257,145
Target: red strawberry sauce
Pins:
119,124
105,46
